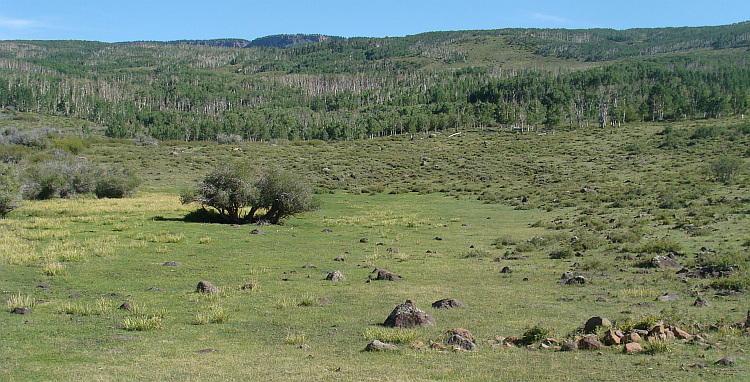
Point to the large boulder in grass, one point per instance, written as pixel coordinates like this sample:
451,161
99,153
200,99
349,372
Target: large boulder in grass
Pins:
335,276
382,274
206,287
407,315
589,342
661,261
461,342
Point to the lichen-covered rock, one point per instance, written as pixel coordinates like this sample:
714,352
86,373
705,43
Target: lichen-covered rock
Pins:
590,342
379,346
664,262
448,303
335,276
461,342
407,315
382,274
206,287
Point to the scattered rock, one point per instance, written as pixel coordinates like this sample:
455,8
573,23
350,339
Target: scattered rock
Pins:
328,230
392,250
172,264
668,297
75,295
304,346
335,276
564,299
339,259
632,348
590,342
611,338
681,334
642,305
461,342
407,315
21,310
602,299
506,269
661,261
206,351
569,346
308,266
701,303
595,323
364,240
249,286
726,361
461,332
448,303
155,289
382,274
257,232
206,287
126,306
324,301
568,278
431,251
632,337
44,286
438,238
380,346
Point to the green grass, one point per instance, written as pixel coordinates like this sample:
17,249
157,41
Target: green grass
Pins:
113,251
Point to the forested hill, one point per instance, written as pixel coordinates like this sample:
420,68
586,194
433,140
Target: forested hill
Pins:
318,87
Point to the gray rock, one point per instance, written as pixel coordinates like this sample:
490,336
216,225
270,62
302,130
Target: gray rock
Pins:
726,361
380,346
590,342
569,346
335,276
382,274
461,342
664,262
172,264
668,297
448,303
701,303
407,315
21,310
206,287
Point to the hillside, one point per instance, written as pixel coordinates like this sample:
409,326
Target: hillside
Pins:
314,87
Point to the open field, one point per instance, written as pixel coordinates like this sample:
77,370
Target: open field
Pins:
604,201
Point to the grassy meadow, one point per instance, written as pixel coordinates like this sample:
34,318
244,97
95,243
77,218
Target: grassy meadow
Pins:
600,202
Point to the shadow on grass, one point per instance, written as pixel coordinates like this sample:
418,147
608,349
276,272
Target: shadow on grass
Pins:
201,216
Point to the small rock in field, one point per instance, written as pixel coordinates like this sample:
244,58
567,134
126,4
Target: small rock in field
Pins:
172,264
206,287
126,306
632,348
21,310
461,342
379,346
44,286
308,266
257,232
448,303
701,303
335,276
668,297
339,259
249,286
75,295
726,361
206,351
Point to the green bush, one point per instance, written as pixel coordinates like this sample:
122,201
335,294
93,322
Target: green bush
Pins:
115,182
10,190
562,253
724,168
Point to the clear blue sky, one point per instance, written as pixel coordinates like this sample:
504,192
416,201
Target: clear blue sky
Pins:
131,20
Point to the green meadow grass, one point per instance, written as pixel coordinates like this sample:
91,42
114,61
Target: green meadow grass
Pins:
596,198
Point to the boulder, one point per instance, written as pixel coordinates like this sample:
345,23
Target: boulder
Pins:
661,261
382,274
595,323
632,348
569,346
668,297
376,345
461,342
461,332
21,310
407,315
611,338
681,334
590,342
206,287
448,303
726,361
701,303
632,337
335,276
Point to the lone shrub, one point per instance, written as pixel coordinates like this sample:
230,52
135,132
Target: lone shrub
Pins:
115,182
10,190
226,189
724,168
283,195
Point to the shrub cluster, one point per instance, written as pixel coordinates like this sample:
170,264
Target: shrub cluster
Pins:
231,190
10,189
66,176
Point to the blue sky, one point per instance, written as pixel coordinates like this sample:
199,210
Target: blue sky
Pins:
131,20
